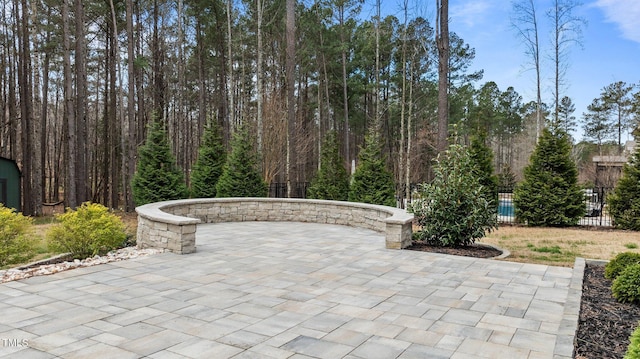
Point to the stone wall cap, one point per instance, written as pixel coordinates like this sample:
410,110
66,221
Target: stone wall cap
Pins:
155,211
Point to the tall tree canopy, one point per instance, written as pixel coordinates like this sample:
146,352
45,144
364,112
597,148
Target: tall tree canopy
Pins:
81,81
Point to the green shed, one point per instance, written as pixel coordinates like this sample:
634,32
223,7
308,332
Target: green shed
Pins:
9,183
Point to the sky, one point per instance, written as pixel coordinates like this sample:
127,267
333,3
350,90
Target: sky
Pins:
610,50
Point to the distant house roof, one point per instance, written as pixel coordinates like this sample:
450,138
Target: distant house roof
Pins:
610,160
11,161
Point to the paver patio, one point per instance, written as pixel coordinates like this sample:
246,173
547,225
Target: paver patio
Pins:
293,290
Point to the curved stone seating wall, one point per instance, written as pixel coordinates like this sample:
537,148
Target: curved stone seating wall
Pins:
172,224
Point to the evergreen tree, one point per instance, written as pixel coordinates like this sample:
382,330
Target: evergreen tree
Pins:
331,181
240,176
550,194
624,202
208,168
372,182
157,176
453,210
482,156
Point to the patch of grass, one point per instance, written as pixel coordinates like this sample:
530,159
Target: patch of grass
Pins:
44,220
544,249
541,245
554,249
631,245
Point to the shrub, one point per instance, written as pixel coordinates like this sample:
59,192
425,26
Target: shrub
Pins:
550,194
482,156
453,210
211,158
620,263
88,231
633,351
626,287
332,181
372,182
240,175
624,202
157,177
15,246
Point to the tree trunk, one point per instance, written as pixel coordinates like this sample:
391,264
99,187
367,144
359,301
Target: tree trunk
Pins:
159,85
70,192
407,182
401,148
131,118
112,118
259,97
232,107
377,97
46,195
31,188
36,116
82,180
290,79
345,94
442,41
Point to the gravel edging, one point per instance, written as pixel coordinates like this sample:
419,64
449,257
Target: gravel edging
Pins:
46,268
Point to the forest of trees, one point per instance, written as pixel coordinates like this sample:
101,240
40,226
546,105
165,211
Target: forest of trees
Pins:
81,80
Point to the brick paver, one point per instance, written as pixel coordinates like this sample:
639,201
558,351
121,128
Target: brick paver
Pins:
293,290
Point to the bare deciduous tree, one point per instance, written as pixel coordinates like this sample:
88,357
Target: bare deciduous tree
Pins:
525,22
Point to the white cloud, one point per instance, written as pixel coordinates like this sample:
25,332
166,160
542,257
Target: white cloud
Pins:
625,14
470,12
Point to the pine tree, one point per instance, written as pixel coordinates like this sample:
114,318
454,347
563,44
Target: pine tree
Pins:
624,202
550,194
482,156
208,167
240,176
332,181
157,176
453,210
372,182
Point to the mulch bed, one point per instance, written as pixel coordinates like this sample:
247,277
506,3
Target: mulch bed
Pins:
474,250
605,325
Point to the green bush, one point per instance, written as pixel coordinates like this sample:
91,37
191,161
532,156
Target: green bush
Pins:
240,175
626,287
212,156
88,231
372,182
624,202
619,263
157,176
482,156
15,246
453,209
550,194
332,180
633,351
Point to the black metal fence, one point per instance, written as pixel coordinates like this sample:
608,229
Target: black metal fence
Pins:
594,202
279,190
